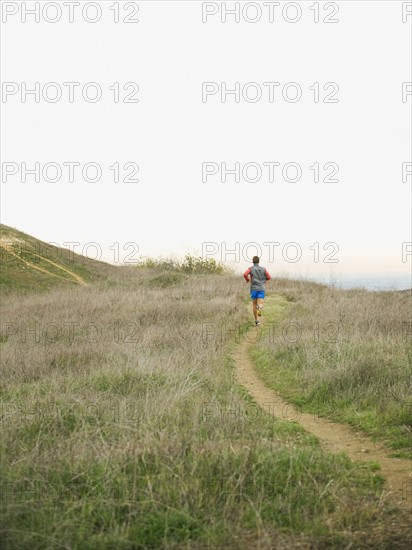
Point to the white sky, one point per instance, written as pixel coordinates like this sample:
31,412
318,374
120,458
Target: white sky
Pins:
171,132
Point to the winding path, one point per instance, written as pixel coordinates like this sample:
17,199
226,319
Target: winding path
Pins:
333,437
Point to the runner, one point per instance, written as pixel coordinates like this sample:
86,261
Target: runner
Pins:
257,276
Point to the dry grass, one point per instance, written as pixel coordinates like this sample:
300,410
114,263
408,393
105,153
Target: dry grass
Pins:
129,432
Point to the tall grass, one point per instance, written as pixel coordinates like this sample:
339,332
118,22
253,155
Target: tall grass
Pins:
122,427
345,354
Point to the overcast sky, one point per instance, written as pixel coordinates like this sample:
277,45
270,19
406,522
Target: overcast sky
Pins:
333,95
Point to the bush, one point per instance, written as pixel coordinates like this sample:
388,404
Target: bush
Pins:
167,279
191,264
199,265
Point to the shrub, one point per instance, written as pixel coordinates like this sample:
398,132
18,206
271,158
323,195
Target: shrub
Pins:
191,264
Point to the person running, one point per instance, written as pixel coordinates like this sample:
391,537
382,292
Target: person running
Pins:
257,276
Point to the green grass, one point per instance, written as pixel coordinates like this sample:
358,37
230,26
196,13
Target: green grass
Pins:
200,491
22,255
166,280
308,373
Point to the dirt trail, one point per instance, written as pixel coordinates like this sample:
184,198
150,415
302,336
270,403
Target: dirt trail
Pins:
333,437
76,277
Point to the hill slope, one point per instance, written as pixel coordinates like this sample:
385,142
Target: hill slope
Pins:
30,264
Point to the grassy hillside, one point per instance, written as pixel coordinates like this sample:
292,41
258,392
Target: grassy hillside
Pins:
29,264
122,427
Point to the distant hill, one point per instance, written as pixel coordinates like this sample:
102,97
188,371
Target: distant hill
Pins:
30,264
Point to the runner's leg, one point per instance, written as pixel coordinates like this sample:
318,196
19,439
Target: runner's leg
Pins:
255,313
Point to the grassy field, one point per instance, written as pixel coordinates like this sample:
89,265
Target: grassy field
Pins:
122,426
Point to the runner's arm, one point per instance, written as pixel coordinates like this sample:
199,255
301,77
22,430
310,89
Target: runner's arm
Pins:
246,274
267,275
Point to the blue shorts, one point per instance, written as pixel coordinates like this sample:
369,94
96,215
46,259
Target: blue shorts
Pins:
254,294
